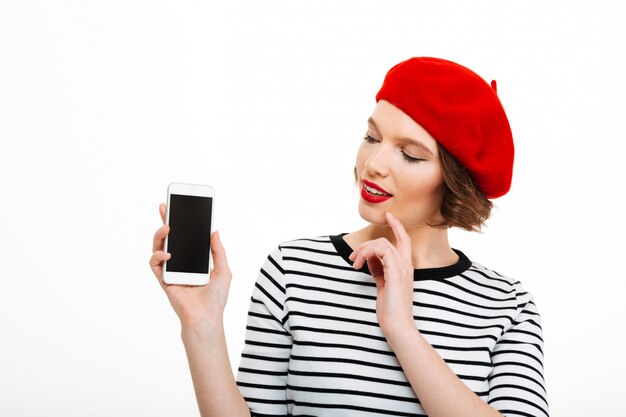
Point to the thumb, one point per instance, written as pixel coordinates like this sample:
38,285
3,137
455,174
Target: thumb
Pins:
219,255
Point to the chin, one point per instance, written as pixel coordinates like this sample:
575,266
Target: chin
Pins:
372,214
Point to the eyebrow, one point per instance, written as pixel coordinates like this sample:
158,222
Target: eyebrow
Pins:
407,140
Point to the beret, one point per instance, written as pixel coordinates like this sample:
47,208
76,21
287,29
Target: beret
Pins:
461,111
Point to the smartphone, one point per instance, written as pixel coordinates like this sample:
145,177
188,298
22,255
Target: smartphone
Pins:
190,217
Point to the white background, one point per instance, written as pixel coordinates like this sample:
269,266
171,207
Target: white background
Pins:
103,103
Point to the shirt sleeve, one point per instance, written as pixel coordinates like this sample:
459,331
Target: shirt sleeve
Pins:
516,384
262,373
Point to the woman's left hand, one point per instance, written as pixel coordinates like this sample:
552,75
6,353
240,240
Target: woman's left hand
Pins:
392,270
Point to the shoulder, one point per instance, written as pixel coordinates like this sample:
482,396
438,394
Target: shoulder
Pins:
507,284
311,254
306,247
492,275
311,242
302,246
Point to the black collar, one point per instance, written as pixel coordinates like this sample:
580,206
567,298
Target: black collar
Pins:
344,250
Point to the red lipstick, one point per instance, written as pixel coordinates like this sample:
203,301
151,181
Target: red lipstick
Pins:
371,197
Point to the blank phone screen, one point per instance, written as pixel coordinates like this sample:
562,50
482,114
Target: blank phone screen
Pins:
190,233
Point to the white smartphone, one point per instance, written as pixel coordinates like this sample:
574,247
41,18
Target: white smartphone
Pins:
190,217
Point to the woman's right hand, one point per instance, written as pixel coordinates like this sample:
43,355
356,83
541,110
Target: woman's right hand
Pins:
193,304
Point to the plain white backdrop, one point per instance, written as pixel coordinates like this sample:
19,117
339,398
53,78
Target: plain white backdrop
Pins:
103,103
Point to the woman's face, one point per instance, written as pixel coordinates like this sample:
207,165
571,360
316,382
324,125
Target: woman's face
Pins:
400,158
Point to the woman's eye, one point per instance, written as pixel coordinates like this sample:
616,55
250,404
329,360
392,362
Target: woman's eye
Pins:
370,139
407,157
411,159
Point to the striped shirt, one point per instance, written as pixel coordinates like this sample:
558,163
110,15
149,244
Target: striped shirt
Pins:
314,346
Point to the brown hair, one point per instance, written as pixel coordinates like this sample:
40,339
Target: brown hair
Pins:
463,205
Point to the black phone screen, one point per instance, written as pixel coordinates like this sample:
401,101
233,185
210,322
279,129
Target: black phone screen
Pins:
190,233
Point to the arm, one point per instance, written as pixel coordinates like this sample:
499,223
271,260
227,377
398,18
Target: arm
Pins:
516,383
212,376
439,390
200,310
262,376
262,373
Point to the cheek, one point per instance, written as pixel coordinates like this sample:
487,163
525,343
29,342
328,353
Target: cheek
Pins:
426,192
361,157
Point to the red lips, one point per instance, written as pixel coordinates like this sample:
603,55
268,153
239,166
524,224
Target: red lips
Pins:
374,198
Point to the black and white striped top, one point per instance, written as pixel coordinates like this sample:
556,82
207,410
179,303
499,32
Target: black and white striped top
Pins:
314,347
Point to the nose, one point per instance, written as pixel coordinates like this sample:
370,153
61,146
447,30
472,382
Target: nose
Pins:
378,162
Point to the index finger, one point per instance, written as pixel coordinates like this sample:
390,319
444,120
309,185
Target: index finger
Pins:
402,237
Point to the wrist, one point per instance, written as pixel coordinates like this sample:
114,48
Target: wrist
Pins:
398,332
201,328
200,318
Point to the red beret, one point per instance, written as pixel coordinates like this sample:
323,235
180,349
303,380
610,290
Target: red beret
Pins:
461,111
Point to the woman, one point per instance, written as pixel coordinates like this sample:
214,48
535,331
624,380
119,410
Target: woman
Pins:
389,319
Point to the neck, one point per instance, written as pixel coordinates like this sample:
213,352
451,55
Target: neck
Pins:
430,247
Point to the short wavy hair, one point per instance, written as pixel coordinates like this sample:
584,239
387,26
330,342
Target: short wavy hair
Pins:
463,205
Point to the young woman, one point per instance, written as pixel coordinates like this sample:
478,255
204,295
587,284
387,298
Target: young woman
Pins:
388,320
